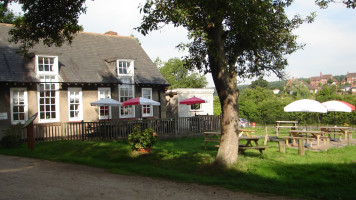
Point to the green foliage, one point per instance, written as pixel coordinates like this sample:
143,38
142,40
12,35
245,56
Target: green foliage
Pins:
277,84
326,93
217,106
259,83
142,139
301,92
178,76
6,15
339,77
52,22
12,136
261,106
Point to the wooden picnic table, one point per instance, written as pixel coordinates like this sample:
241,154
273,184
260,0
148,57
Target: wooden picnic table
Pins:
249,144
286,124
335,129
300,134
210,137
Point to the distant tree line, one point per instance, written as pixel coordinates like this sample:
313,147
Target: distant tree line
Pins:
260,105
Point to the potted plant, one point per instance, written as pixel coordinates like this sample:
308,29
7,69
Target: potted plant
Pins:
142,140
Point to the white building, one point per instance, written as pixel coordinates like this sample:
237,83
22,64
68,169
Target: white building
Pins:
174,97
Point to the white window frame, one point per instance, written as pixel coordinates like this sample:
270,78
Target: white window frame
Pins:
48,80
12,104
130,69
54,67
144,114
107,94
77,94
127,84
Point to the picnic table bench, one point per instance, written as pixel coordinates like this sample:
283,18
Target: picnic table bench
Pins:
305,135
286,124
248,145
335,130
210,137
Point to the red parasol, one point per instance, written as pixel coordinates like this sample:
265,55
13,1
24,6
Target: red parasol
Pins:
140,101
192,100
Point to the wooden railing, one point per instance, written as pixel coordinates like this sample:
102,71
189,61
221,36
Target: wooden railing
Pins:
120,129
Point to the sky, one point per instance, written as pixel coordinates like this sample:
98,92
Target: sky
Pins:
330,40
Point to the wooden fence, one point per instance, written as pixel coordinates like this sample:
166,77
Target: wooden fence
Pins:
120,129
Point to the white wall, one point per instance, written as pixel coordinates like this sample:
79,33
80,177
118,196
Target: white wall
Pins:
185,93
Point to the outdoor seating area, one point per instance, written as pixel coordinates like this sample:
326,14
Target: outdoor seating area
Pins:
252,141
320,139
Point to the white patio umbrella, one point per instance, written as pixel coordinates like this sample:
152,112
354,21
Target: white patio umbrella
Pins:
338,106
306,105
106,102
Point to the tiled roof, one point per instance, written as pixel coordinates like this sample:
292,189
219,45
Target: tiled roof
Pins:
350,75
89,59
326,76
316,78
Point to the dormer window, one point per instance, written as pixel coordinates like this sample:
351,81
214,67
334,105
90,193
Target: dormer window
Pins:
125,67
47,64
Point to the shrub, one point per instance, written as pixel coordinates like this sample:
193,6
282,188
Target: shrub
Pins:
12,136
142,139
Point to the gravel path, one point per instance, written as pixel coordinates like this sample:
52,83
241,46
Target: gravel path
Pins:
26,178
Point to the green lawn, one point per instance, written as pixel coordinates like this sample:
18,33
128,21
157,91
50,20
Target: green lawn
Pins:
317,175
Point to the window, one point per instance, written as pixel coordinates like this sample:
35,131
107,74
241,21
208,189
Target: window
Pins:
125,67
48,99
147,109
104,111
47,90
47,64
19,106
75,104
195,107
126,92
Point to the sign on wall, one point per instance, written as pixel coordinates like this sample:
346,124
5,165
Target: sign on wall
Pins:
3,115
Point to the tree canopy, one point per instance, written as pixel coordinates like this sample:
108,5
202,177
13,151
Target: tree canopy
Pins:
259,83
180,77
6,15
54,22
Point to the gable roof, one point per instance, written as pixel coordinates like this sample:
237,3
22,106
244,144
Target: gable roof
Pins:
91,58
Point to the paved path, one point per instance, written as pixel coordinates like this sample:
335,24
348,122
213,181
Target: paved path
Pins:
26,178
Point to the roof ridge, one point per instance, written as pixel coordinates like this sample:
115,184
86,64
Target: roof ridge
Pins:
83,32
107,35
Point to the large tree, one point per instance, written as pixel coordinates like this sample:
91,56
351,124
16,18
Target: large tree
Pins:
179,76
230,39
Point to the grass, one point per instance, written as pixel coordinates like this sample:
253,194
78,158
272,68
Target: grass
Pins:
317,175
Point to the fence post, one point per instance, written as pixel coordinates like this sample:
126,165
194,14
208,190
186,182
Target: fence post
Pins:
83,131
176,126
282,146
301,149
266,137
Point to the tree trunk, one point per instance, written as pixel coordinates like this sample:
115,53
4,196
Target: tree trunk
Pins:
228,149
226,85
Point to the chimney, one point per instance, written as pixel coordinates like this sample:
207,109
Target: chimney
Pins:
110,33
